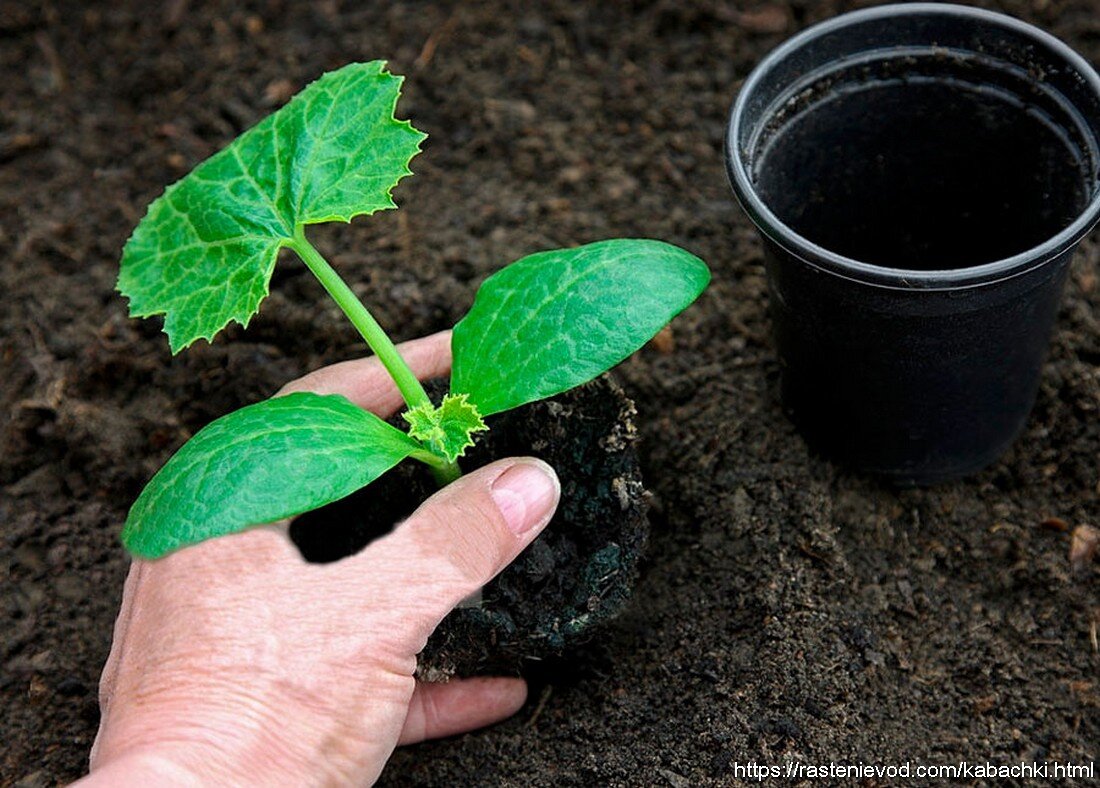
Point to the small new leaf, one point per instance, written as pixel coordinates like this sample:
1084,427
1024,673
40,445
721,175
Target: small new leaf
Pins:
448,430
204,253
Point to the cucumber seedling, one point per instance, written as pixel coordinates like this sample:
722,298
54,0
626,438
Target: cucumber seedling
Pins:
203,257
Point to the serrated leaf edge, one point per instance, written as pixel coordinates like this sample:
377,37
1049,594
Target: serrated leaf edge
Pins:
283,242
433,413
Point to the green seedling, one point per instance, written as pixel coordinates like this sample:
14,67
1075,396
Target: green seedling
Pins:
203,257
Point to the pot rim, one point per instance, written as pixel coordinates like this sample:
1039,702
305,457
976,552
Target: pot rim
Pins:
900,278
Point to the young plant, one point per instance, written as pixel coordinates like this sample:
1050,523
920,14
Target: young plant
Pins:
203,256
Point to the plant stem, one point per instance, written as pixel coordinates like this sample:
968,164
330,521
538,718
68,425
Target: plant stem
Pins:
447,473
411,391
363,321
444,472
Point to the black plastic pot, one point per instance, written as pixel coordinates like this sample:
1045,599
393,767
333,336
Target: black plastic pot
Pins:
920,175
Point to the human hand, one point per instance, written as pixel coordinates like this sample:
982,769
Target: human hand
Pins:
235,662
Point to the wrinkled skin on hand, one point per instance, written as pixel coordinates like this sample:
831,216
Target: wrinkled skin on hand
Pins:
236,662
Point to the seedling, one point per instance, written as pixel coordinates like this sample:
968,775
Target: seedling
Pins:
203,256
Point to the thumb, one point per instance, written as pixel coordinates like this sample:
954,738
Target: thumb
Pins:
457,541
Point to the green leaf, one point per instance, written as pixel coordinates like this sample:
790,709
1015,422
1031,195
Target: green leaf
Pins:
259,464
448,429
204,253
555,320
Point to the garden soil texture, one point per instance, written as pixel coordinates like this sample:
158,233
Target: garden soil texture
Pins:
786,609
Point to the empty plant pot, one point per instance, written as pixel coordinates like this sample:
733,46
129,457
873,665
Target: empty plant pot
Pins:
920,175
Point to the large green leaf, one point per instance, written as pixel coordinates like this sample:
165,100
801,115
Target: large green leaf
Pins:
264,462
554,320
204,253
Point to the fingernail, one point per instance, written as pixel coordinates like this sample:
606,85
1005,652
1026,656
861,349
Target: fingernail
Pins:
526,495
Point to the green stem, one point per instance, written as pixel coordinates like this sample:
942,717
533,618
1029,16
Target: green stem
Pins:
447,473
363,321
376,339
444,472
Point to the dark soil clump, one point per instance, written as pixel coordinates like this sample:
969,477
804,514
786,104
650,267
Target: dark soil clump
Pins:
786,609
573,578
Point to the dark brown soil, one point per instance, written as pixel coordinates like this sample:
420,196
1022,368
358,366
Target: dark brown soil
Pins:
571,581
787,609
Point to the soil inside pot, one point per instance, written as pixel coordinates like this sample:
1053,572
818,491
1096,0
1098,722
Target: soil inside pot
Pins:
575,576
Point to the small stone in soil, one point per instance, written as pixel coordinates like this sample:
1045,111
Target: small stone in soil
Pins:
1083,546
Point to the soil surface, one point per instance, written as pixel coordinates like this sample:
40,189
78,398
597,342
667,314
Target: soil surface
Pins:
787,609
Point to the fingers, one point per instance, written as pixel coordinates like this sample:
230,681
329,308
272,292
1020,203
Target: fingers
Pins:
454,544
365,381
109,677
461,705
